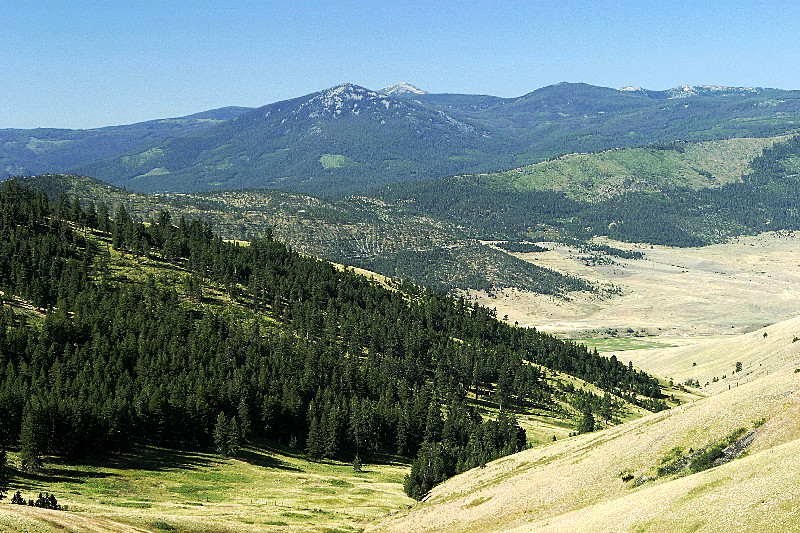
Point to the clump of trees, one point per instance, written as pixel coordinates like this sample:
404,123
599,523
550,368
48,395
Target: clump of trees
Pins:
44,501
4,475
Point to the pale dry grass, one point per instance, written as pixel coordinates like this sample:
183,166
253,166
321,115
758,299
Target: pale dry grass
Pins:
24,519
724,289
577,482
712,358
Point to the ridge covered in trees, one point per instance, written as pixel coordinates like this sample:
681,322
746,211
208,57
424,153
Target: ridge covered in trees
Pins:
226,343
766,198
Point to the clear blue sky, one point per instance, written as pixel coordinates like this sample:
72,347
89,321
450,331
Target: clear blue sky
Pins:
86,64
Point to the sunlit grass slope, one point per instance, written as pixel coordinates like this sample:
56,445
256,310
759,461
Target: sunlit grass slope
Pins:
713,363
610,480
601,175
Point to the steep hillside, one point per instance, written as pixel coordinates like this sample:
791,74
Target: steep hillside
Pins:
114,333
663,194
639,476
356,231
719,364
663,166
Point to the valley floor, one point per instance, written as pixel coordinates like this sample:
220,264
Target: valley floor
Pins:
675,294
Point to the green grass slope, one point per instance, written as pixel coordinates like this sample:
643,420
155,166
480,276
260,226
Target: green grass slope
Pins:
161,490
664,194
593,177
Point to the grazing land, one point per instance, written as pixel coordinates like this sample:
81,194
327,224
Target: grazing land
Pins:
631,477
671,296
161,490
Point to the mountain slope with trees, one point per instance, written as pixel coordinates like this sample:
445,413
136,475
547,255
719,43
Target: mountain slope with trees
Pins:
348,139
721,463
166,334
356,231
658,209
40,150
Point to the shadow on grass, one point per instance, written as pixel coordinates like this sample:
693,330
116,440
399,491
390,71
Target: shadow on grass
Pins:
156,460
257,457
44,477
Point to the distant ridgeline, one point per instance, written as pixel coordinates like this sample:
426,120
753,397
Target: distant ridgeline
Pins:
113,333
766,198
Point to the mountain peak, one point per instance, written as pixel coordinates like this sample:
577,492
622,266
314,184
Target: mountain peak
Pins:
686,91
346,89
400,89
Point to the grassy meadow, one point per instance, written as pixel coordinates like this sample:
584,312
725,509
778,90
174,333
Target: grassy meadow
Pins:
162,490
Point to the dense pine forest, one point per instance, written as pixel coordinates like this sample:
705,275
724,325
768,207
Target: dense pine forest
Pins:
222,343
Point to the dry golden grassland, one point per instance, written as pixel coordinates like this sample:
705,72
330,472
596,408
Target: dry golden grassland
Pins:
674,293
579,484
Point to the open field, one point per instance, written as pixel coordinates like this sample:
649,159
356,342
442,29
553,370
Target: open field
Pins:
712,362
159,490
674,293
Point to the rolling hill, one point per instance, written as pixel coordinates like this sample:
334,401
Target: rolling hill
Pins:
434,232
678,194
348,139
26,152
356,231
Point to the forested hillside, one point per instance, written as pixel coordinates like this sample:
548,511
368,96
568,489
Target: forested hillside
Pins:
46,149
387,238
765,197
116,332
347,139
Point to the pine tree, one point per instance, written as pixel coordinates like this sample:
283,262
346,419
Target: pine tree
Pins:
4,477
221,433
32,438
315,443
587,422
233,438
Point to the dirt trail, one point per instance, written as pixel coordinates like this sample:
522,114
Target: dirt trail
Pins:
68,521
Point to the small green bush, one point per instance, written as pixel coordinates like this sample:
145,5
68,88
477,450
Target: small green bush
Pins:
705,458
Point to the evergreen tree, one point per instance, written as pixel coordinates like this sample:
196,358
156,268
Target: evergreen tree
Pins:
233,437
221,433
587,421
4,475
315,443
33,437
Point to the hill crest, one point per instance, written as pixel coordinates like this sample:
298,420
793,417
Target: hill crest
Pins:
401,89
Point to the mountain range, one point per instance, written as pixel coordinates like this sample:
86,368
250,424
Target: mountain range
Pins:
348,139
